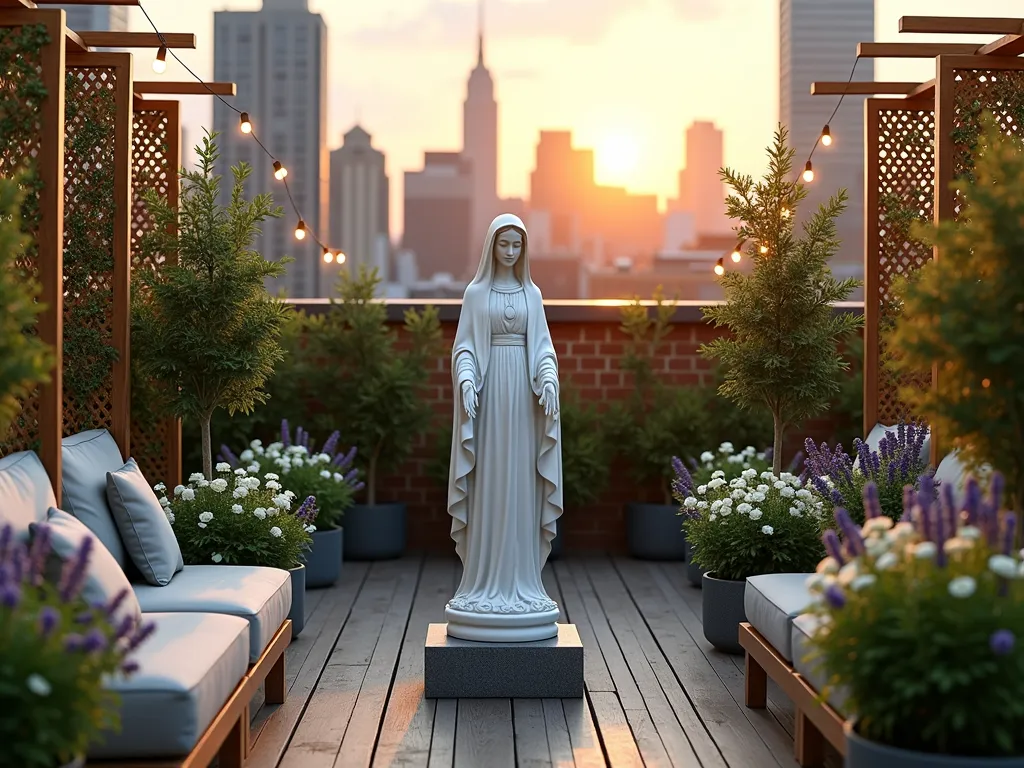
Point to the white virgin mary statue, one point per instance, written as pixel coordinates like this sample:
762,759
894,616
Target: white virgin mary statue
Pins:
505,481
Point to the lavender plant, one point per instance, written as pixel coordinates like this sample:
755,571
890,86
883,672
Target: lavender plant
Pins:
922,621
56,652
896,464
239,519
327,474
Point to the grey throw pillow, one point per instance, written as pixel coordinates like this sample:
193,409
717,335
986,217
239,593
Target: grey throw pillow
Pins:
145,529
104,578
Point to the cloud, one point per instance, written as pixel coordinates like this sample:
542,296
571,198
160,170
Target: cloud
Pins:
450,22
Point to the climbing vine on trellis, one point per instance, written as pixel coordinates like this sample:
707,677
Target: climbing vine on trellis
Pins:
89,144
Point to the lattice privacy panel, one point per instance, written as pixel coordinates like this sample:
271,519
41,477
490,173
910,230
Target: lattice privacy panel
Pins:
89,177
155,440
20,135
900,194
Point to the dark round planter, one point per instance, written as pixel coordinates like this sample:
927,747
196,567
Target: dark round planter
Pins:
298,611
323,561
861,753
723,612
655,532
375,533
694,573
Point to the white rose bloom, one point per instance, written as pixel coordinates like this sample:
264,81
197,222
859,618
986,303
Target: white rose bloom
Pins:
188,494
247,455
925,550
38,684
767,530
744,508
795,512
717,474
170,516
165,502
962,586
310,529
254,468
178,490
240,472
756,514
862,581
252,483
726,448
690,502
787,492
205,517
290,494
223,466
749,474
271,476
713,517
275,532
325,474
702,489
738,494
702,505
273,485
240,492
260,512
216,557
1003,565
219,485
707,456
159,487
970,532
195,477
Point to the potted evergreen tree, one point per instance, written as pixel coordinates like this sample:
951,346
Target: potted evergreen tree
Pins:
374,387
964,310
783,348
204,329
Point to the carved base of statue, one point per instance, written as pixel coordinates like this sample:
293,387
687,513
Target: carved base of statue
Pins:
535,623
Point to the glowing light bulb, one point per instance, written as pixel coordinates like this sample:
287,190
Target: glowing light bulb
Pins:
328,256
279,170
808,172
763,249
340,257
826,137
300,230
785,213
160,62
720,267
243,123
736,255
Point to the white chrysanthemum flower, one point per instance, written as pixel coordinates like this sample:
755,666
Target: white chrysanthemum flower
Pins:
707,456
716,483
767,475
273,485
247,455
201,525
925,550
240,492
252,483
803,493
717,474
237,509
778,485
738,494
256,444
325,474
338,477
310,529
757,497
1003,565
271,476
756,514
713,517
956,545
275,532
848,573
962,586
260,512
726,448
159,487
876,525
744,508
254,468
217,557
787,492
877,546
38,684
886,561
702,489
282,502
725,511
219,485
702,505
690,502
971,532
240,472
828,566
749,474
170,516
727,502
203,483
205,517
796,512
862,581
195,477
165,502
290,494
716,505
767,530
223,466
737,459
763,488
188,494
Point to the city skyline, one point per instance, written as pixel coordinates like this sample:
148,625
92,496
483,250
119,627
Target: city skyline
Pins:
611,77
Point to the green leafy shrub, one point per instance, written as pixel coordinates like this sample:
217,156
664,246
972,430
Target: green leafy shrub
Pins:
586,450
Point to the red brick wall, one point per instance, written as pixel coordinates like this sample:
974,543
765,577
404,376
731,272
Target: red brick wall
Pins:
588,355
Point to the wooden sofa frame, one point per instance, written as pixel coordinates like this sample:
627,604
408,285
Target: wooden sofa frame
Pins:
227,737
816,720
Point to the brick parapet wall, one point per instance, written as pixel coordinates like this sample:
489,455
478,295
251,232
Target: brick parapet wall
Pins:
589,344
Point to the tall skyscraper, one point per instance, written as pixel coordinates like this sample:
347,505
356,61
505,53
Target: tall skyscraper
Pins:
480,141
97,18
818,41
701,191
359,201
278,58
438,210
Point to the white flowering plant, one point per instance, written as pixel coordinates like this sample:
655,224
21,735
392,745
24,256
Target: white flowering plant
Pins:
755,523
239,518
326,473
921,622
729,461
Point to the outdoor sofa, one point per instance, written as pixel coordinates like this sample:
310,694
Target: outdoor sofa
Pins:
221,631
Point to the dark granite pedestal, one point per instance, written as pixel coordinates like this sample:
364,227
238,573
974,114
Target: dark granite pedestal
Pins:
454,668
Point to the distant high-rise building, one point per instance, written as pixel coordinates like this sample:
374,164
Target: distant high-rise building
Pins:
97,18
480,141
359,201
817,42
701,191
278,58
438,211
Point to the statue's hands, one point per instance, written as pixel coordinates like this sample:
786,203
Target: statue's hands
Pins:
469,399
549,400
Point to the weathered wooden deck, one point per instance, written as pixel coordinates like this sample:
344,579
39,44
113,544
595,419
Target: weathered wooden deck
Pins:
657,694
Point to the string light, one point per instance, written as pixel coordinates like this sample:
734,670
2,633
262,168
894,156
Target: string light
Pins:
328,256
737,253
826,136
160,62
763,249
808,172
785,213
245,126
720,267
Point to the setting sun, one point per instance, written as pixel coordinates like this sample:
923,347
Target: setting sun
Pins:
616,158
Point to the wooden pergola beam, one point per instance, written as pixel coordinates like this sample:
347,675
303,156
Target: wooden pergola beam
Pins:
138,39
915,50
960,25
860,88
87,2
924,90
1008,45
172,88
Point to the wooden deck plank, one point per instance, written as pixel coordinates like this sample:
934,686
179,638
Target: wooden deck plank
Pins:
405,736
304,663
361,736
720,714
442,741
531,736
587,751
557,732
484,734
595,671
614,730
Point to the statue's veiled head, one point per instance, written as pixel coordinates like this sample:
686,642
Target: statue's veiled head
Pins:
508,246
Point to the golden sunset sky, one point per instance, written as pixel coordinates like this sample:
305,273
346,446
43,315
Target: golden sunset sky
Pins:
626,76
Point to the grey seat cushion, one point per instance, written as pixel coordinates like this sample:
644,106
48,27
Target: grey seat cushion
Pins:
263,596
803,627
86,458
143,525
104,578
188,669
771,602
25,492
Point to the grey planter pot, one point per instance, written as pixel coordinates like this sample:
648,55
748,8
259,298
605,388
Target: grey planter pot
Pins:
298,611
694,573
861,753
323,561
655,532
723,612
375,533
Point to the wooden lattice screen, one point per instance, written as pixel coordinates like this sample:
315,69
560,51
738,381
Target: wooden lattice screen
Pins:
97,244
900,190
40,150
156,442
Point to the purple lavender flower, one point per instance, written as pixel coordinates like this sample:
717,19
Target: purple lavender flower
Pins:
682,483
6,538
1001,642
129,667
37,556
73,576
94,641
111,608
872,506
795,464
835,596
833,546
73,643
141,633
307,511
1009,531
286,433
124,628
49,618
10,595
227,455
343,460
972,501
909,501
332,443
853,539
